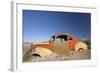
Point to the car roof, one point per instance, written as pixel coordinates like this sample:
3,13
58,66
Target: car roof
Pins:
60,34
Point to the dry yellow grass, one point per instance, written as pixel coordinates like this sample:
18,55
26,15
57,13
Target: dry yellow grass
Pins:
61,48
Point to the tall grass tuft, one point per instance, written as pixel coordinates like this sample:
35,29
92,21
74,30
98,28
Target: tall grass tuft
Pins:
61,48
27,56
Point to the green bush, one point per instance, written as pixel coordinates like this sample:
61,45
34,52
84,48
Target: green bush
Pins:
27,56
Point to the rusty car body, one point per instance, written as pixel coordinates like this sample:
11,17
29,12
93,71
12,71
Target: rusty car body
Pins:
66,40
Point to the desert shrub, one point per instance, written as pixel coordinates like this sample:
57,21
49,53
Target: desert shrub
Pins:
27,56
88,42
61,48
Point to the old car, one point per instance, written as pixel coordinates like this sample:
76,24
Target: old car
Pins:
60,43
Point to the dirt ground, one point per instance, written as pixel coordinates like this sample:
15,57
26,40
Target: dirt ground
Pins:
79,55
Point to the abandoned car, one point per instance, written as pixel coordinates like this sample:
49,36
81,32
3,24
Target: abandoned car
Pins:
59,43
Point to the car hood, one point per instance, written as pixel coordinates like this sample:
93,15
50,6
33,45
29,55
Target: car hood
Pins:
40,43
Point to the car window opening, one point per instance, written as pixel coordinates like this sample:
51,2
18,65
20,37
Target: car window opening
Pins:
61,38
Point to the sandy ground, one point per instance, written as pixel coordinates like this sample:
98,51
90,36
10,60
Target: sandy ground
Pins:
55,57
79,55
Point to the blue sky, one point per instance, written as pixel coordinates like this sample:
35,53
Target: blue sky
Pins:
40,25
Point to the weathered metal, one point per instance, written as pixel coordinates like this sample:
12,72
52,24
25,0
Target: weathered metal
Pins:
71,43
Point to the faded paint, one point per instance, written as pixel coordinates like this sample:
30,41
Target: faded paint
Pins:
69,39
